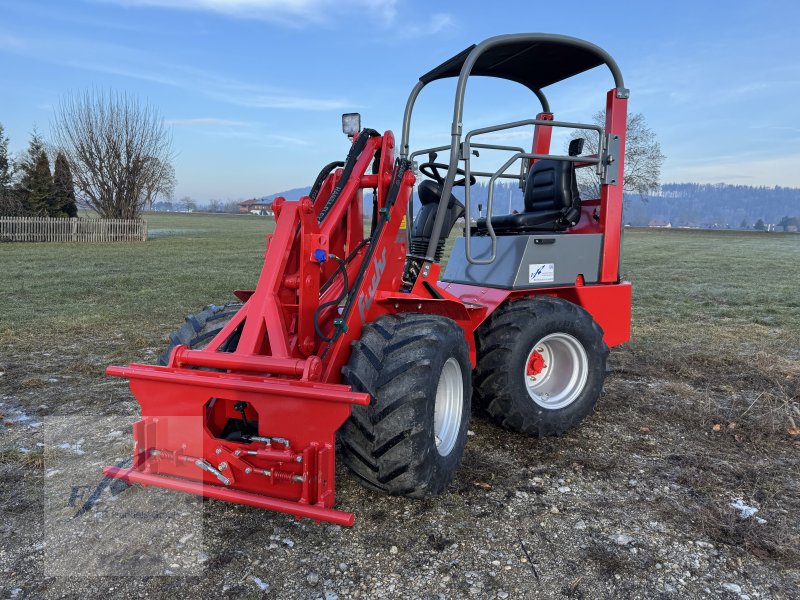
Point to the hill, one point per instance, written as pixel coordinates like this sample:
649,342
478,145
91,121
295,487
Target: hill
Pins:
709,206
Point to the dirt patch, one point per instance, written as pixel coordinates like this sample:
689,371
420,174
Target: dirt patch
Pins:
636,503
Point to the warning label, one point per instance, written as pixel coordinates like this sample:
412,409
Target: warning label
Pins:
541,273
403,223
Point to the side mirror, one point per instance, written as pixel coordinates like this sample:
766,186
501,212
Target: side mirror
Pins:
351,124
576,147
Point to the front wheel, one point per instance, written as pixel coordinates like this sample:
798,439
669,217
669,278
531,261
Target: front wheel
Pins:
202,327
541,365
410,439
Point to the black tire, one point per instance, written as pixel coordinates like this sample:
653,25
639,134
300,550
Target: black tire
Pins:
200,328
504,345
390,445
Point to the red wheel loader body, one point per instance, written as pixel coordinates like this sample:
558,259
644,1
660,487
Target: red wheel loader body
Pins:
323,279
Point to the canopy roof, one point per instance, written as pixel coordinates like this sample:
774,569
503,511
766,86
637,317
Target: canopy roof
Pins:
534,60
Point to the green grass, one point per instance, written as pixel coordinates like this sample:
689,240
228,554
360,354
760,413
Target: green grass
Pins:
737,284
76,290
715,342
691,288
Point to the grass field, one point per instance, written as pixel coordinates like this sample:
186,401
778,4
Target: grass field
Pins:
701,402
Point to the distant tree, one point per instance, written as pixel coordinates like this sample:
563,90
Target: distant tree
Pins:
163,205
64,188
214,205
6,166
35,189
643,157
161,182
118,149
188,203
10,206
744,224
790,223
760,226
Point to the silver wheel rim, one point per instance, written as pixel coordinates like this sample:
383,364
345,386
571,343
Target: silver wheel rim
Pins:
556,371
448,407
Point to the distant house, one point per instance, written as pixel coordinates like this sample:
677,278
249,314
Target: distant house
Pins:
255,206
659,223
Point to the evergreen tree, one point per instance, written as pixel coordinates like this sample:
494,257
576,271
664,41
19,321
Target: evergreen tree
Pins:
64,189
760,226
9,203
6,170
35,188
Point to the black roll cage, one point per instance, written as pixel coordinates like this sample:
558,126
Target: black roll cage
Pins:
508,57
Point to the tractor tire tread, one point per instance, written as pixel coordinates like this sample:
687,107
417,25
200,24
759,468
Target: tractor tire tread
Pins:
386,444
199,328
496,341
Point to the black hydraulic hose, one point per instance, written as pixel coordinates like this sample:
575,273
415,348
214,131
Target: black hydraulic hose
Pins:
345,290
347,261
355,151
323,175
401,166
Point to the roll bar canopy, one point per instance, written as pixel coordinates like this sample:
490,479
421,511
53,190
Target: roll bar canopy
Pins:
535,60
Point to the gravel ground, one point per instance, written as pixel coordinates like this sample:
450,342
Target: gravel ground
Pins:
634,504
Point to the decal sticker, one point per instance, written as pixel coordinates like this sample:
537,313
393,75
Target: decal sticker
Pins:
365,301
403,223
541,273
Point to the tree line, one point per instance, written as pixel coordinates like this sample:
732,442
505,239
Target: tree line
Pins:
717,205
111,153
27,185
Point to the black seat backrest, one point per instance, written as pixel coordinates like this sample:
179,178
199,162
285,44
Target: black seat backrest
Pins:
430,196
552,186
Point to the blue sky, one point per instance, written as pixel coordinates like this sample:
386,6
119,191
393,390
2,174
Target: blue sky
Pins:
254,89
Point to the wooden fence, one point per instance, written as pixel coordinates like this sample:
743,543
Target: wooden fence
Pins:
46,229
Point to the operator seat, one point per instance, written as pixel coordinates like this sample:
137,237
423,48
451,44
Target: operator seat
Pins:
430,195
552,201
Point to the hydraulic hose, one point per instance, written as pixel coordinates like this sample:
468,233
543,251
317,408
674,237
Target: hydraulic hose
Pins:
345,290
323,175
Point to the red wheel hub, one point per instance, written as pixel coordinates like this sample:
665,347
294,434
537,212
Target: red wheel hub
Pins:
535,364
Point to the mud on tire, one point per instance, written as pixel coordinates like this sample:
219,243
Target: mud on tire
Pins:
506,343
401,361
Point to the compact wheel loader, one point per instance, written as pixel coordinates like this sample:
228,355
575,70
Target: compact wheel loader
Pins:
358,344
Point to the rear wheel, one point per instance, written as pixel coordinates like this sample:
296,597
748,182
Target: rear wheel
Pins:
541,365
410,439
200,328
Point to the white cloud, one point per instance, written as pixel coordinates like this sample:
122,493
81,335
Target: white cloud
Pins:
256,99
288,12
134,64
436,23
204,122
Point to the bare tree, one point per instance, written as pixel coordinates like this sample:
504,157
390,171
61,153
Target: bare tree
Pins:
214,205
159,182
643,157
188,204
118,149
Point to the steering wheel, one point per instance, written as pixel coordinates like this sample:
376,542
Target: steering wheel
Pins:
431,170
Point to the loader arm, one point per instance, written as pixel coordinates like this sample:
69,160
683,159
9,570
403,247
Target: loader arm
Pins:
283,378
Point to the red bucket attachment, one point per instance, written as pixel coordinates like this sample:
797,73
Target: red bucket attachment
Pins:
262,441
